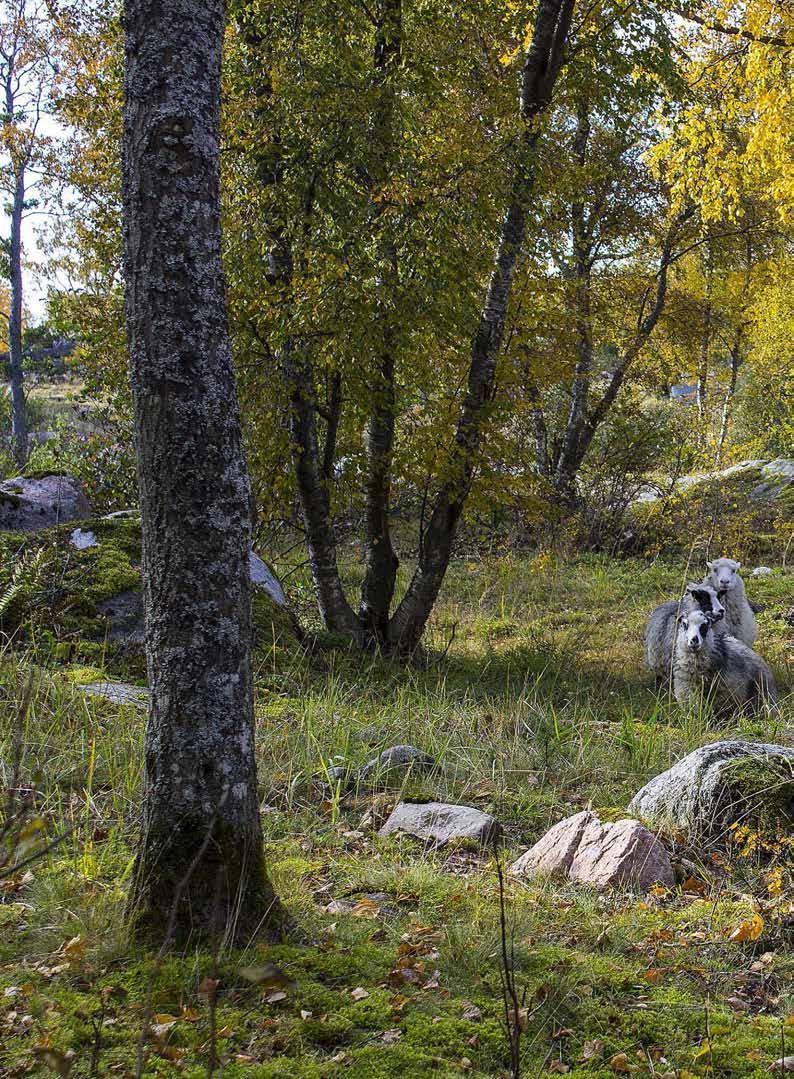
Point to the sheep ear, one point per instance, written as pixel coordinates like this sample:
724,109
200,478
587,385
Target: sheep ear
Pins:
709,565
738,565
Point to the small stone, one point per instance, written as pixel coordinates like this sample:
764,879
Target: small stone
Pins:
397,757
82,540
441,822
762,571
553,854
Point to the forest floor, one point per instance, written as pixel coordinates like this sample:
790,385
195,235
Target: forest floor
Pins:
536,707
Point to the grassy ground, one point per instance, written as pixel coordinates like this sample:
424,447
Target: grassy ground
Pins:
539,708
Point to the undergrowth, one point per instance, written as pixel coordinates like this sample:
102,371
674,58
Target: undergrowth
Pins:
538,708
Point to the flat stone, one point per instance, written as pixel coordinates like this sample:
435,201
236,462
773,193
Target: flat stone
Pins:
713,786
762,571
397,758
553,854
82,540
263,577
624,854
117,692
26,505
441,822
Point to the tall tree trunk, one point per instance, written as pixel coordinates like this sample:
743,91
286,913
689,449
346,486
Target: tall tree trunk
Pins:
200,859
539,73
377,589
579,305
18,418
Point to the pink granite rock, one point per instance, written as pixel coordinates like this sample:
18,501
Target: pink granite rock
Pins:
553,854
622,854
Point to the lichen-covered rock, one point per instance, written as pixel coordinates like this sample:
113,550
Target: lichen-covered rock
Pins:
117,693
397,758
27,505
718,784
441,822
82,540
624,854
554,852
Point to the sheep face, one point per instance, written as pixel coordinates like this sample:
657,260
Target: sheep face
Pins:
696,627
708,599
723,574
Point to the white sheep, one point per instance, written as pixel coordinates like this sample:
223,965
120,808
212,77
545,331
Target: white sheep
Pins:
662,626
717,665
723,575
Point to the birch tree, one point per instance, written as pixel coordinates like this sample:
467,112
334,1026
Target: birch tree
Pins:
200,859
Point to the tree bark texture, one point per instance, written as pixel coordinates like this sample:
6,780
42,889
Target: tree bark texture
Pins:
200,861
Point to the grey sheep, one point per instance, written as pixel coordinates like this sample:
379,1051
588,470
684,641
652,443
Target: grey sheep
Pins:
723,575
660,633
717,665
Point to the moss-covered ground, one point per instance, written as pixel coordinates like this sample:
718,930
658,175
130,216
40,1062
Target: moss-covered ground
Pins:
535,704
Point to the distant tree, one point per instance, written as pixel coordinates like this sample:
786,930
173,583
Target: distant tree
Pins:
26,71
200,858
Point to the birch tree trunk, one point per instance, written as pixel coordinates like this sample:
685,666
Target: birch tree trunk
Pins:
200,859
18,417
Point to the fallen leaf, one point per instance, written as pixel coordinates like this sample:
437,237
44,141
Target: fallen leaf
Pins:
57,1060
274,998
593,1049
472,1013
750,930
558,1068
359,993
306,1015
783,1064
389,1037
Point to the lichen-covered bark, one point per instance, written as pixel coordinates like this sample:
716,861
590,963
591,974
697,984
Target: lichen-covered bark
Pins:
200,857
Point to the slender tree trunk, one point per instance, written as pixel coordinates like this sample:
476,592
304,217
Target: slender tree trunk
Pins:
19,420
727,408
541,67
200,859
705,343
377,589
579,304
313,481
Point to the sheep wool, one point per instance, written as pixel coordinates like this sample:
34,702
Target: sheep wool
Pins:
723,575
717,665
662,626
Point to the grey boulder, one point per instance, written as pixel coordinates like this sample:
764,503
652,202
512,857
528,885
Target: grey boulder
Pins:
441,822
117,693
714,786
26,505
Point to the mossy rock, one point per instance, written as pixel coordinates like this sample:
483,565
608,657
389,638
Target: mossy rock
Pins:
712,788
747,510
61,597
